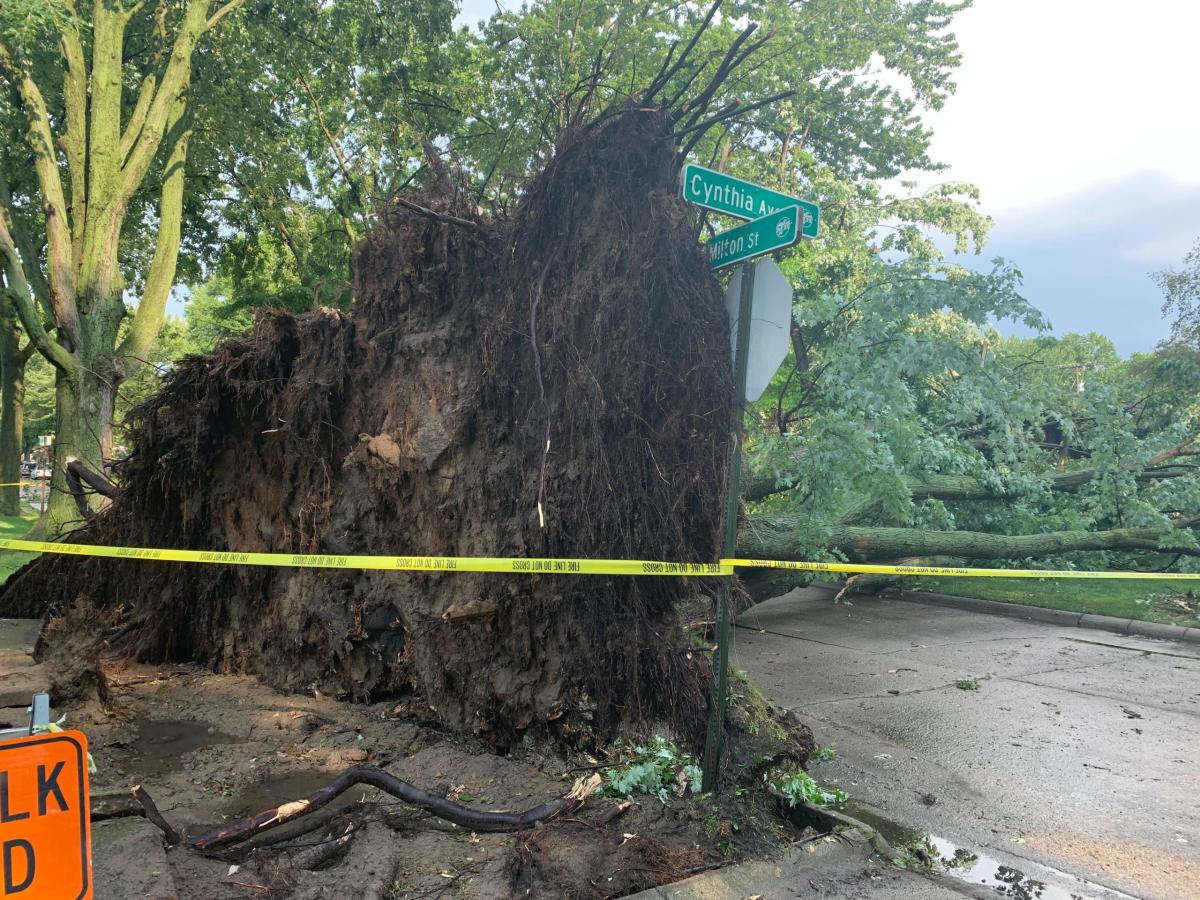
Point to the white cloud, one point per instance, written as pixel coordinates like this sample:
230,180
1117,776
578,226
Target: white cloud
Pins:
1056,94
1166,251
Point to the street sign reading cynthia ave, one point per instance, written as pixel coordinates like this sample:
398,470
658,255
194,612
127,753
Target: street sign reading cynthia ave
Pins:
744,199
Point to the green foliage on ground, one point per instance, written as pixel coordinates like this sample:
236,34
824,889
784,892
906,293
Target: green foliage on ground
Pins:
797,786
823,754
658,769
15,527
1169,601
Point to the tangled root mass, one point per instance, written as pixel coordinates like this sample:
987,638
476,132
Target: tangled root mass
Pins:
550,383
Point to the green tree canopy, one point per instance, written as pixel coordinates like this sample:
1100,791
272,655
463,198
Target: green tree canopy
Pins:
1181,299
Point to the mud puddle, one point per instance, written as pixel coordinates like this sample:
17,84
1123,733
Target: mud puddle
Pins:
160,744
1020,879
272,792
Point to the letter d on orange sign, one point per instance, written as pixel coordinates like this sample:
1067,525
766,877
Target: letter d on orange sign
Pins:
45,818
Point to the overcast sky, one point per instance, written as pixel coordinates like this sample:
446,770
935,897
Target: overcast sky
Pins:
1077,120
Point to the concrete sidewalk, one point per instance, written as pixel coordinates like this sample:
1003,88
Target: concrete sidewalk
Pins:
822,870
1078,752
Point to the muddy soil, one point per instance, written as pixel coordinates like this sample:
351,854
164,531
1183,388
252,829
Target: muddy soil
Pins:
211,748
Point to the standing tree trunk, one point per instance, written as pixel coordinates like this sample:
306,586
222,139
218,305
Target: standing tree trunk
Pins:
107,157
83,431
12,407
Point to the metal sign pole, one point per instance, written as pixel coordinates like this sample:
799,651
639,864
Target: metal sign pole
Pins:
733,489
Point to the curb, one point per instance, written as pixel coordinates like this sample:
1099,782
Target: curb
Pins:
1056,616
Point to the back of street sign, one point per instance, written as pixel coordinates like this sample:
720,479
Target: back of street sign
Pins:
770,323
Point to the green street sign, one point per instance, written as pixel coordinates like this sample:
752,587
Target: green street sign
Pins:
744,199
771,232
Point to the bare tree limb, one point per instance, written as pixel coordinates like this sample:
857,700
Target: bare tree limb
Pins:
150,810
26,306
473,819
441,217
215,19
660,81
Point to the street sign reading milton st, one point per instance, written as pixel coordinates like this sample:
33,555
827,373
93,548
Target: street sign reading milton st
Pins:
770,232
744,199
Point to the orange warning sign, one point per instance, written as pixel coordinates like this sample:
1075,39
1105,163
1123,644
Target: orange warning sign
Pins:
45,818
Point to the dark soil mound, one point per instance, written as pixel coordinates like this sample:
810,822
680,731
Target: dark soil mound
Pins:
554,383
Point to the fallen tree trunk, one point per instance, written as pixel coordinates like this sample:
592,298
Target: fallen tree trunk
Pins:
774,537
761,485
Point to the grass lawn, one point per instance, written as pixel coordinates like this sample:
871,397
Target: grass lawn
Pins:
1153,600
15,527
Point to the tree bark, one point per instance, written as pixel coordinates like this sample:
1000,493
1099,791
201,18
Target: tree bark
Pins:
773,537
106,163
83,431
966,487
12,409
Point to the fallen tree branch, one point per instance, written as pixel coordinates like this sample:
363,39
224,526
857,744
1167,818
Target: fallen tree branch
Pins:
137,802
612,813
78,494
150,811
324,853
116,805
773,536
761,484
464,816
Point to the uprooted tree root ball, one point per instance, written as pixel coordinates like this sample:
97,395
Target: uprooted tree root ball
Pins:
551,383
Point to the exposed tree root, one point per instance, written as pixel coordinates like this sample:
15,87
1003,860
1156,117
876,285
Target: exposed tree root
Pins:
464,816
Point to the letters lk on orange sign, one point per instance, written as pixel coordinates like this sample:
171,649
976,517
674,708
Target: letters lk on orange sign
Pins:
45,834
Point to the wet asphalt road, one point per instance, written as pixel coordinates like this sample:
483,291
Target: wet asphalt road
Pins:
1079,751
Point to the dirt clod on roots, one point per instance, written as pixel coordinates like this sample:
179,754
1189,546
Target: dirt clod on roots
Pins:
551,383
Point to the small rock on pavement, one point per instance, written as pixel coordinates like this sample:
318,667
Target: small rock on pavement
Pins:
129,863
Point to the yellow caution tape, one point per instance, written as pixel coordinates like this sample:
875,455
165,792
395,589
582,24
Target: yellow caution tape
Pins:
548,566
523,565
18,483
962,571
519,565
